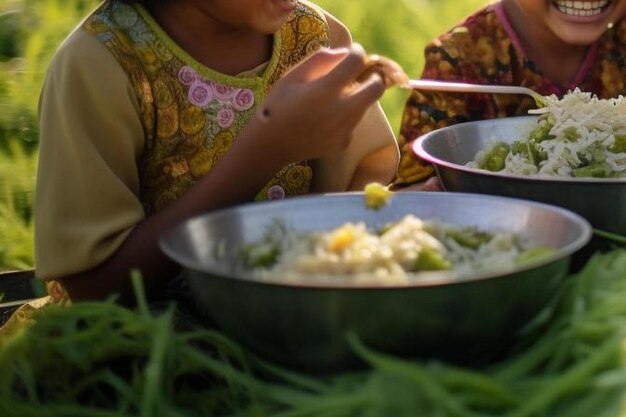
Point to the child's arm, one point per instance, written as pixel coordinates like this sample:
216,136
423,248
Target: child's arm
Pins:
381,162
372,155
364,161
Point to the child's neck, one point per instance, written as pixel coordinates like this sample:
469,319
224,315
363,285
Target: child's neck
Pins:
558,61
222,48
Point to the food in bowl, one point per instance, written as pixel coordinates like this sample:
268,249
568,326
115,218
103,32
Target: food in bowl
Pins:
578,135
303,323
398,253
376,195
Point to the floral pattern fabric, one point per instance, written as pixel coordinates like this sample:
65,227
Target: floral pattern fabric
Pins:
484,50
191,115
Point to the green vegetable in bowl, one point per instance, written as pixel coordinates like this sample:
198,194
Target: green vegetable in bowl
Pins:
571,134
534,254
620,144
265,252
542,131
431,260
260,255
599,170
530,149
469,237
495,158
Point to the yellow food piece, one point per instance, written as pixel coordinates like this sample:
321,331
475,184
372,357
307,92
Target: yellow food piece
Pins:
340,239
376,195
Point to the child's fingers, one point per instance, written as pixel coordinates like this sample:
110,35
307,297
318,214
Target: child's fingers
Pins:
318,64
346,71
367,92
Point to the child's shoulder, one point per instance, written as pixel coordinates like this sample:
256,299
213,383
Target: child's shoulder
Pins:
79,48
338,32
311,10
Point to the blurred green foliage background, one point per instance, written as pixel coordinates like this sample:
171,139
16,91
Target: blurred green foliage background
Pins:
30,31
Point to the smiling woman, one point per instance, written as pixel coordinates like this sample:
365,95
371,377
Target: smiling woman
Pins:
549,46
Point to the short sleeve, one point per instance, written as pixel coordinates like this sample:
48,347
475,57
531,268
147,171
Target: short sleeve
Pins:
334,172
87,191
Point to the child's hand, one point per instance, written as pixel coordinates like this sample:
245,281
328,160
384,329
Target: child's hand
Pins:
312,111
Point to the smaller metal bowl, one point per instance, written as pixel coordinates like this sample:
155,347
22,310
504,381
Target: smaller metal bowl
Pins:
602,201
303,324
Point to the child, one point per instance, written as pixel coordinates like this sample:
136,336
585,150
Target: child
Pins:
154,112
546,45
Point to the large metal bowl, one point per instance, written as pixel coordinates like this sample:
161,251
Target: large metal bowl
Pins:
303,325
601,201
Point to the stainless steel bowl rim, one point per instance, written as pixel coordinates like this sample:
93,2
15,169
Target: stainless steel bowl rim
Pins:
421,153
435,279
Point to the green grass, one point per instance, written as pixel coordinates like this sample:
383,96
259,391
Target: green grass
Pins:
30,30
17,172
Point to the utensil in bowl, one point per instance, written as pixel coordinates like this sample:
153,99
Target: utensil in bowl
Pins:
435,85
392,74
303,324
602,201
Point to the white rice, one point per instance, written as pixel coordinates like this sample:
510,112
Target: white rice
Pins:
596,123
386,258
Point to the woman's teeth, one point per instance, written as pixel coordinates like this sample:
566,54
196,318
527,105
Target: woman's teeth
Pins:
581,8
